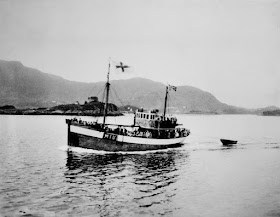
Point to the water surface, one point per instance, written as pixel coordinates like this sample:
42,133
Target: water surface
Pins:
41,176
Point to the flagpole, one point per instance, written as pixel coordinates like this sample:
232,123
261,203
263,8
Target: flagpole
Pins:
107,94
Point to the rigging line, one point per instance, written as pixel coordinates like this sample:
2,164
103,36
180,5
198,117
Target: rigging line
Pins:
103,96
100,90
91,90
111,96
113,102
117,96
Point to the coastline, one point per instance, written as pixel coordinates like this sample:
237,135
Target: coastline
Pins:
51,111
96,110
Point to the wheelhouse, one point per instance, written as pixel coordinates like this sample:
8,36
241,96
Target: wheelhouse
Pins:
146,115
152,119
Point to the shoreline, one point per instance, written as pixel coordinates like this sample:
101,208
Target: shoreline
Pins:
120,114
57,114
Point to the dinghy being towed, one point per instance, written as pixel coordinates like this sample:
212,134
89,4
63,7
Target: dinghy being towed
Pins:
228,142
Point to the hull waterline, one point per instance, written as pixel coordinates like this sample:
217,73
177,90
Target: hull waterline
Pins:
98,140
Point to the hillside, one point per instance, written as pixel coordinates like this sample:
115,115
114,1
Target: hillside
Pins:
26,87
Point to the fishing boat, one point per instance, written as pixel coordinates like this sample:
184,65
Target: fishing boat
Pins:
151,130
228,142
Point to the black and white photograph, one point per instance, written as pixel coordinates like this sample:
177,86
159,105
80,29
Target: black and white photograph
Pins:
123,108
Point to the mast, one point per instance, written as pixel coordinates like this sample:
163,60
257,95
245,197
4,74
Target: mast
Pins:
165,102
107,96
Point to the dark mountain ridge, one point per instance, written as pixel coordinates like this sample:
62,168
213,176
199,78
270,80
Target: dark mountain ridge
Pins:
27,87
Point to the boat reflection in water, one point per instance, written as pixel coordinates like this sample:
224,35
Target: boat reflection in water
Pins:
125,184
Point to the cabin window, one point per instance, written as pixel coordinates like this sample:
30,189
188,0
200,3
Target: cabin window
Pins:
147,116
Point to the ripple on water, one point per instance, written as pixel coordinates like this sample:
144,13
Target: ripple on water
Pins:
130,182
41,177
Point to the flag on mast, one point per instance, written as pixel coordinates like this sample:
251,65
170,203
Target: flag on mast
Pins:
171,87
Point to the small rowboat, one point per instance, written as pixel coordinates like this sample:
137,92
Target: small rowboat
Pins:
228,142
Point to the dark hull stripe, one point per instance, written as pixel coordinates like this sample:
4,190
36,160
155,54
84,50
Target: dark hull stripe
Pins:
83,141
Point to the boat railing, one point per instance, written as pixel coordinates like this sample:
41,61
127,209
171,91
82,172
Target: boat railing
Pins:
131,130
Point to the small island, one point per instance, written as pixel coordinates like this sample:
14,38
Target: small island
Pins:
272,113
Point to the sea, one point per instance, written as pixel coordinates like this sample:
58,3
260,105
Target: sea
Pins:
41,176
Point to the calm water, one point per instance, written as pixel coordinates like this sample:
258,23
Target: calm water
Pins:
40,176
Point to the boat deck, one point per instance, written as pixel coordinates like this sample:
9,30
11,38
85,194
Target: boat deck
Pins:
133,131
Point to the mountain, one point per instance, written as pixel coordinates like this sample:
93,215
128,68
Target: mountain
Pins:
24,87
27,87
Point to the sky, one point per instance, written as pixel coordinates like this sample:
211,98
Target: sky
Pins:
230,48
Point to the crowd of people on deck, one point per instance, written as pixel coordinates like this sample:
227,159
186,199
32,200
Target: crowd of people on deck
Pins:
135,131
92,124
168,122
